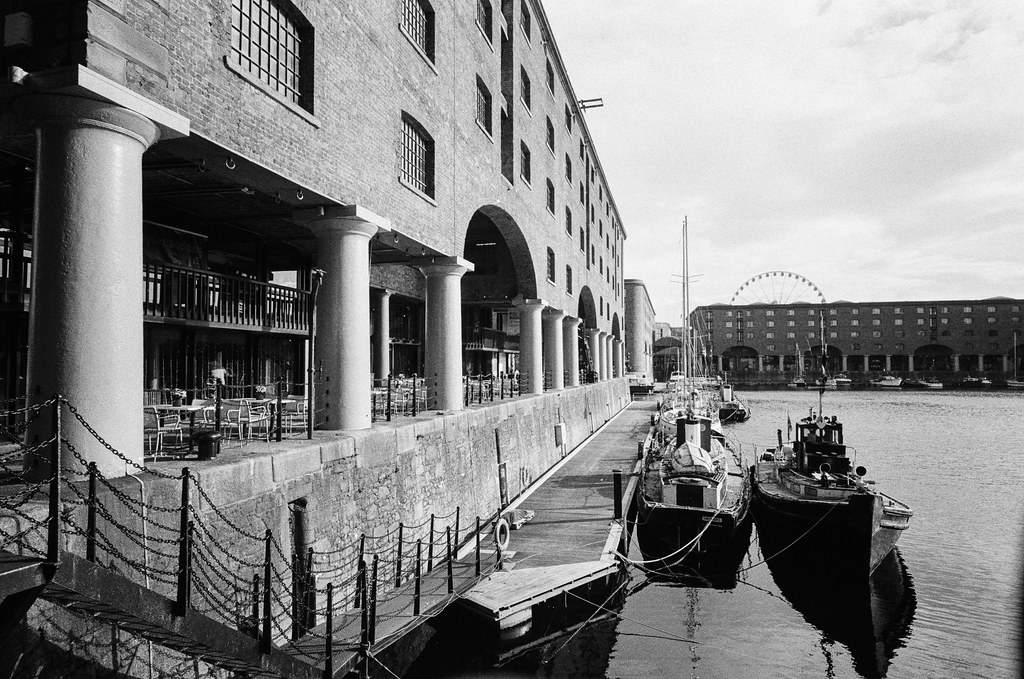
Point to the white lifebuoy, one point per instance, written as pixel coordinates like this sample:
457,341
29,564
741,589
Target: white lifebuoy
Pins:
501,533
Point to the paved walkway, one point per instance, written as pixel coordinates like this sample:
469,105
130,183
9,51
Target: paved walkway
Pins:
575,506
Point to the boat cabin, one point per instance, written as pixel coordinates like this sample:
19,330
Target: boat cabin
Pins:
819,441
692,475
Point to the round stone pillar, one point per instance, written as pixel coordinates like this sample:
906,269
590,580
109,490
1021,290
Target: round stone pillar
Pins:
382,334
443,329
616,357
593,340
602,355
956,362
845,362
531,363
85,333
981,363
910,362
343,318
760,363
553,357
571,350
888,363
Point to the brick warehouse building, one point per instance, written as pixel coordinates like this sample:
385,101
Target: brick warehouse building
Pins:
640,323
175,176
948,338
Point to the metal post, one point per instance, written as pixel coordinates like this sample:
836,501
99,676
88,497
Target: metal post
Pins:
501,387
310,595
181,603
617,481
53,529
280,387
90,531
639,450
478,545
398,561
329,634
265,639
373,602
296,595
480,389
216,410
451,577
492,388
254,632
387,405
497,547
466,397
364,621
419,575
457,510
414,394
430,546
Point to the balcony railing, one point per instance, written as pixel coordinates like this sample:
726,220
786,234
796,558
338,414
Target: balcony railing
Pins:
487,339
178,293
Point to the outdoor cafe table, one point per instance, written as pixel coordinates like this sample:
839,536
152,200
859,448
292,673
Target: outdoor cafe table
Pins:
178,410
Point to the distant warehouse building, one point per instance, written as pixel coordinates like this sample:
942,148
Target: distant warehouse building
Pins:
640,328
949,336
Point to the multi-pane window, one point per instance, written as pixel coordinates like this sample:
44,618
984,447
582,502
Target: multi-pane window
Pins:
524,162
551,135
583,240
483,105
483,17
568,168
568,280
551,196
568,126
583,200
524,90
568,220
417,156
267,42
551,265
525,21
418,24
550,72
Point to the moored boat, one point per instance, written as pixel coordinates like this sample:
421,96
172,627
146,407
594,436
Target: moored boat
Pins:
921,383
970,382
731,408
887,382
807,492
843,381
694,494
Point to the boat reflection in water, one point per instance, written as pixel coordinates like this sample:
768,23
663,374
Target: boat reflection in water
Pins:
717,568
869,615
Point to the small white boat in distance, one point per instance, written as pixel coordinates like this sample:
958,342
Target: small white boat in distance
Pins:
887,382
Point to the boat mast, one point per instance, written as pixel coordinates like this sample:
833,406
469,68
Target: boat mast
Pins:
821,358
686,307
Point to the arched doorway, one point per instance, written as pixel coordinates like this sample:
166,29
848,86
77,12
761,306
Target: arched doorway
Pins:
739,359
586,311
503,271
933,358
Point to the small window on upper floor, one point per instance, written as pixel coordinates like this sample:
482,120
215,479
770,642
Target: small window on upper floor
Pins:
551,196
583,240
550,72
526,20
568,280
568,168
483,105
524,91
550,135
568,126
524,164
568,220
583,199
273,42
581,142
417,169
551,265
418,25
483,17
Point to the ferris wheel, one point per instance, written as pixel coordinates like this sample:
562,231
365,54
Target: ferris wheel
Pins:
777,287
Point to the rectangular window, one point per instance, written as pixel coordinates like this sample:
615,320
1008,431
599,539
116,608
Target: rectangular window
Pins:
418,24
551,265
583,241
790,324
771,324
568,221
524,90
790,312
854,334
483,17
898,321
876,321
268,43
876,311
483,105
968,321
526,20
769,335
769,312
551,196
920,321
790,335
568,169
551,135
568,280
876,333
568,126
417,157
833,334
524,162
967,309
854,322
550,73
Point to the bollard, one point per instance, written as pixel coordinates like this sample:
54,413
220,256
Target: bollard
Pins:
398,560
639,450
451,577
419,577
617,481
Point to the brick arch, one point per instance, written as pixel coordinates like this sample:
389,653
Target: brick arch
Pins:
616,332
504,270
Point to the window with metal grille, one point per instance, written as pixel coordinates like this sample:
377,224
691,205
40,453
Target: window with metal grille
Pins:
568,280
551,264
269,40
483,105
418,24
524,91
483,17
524,162
551,196
417,156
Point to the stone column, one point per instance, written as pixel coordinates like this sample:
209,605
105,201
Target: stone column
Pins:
593,339
85,333
981,363
910,362
571,350
867,362
553,349
531,354
956,362
760,363
602,341
382,334
1006,364
342,343
443,336
616,357
888,363
845,363
718,361
608,355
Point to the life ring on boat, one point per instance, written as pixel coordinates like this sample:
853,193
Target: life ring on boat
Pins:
820,422
502,532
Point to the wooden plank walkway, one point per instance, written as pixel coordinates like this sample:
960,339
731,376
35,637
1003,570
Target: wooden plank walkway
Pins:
566,544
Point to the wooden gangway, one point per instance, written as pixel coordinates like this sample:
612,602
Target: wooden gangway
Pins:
570,541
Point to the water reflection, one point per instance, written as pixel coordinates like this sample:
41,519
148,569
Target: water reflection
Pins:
871,616
716,569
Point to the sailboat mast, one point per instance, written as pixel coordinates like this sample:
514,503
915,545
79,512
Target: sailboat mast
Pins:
686,305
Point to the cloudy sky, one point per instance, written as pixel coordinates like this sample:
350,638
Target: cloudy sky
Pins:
875,148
